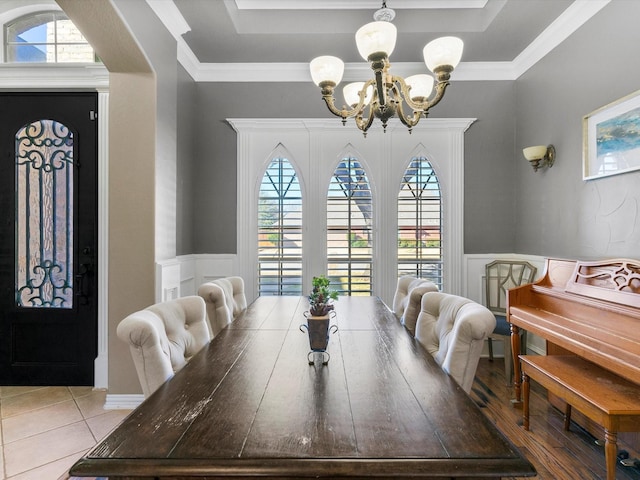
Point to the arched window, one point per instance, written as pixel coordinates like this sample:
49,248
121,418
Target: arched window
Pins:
349,228
280,230
46,37
420,222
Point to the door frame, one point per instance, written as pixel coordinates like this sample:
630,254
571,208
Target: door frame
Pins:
83,78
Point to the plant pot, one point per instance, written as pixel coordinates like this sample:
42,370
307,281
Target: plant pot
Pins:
318,328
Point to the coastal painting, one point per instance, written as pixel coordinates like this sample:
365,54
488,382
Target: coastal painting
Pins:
612,139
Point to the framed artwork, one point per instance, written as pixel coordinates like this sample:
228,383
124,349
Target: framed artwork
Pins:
611,139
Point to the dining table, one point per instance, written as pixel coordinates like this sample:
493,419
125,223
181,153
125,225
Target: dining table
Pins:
256,402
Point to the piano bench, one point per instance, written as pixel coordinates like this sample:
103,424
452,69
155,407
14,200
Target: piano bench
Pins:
601,395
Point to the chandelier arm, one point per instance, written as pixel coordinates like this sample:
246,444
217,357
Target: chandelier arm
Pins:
327,96
440,87
360,106
406,95
418,107
364,124
409,121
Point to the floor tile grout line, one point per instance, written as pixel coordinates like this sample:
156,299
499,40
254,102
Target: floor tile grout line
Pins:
33,410
83,419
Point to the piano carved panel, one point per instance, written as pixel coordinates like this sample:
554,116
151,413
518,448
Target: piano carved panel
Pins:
616,281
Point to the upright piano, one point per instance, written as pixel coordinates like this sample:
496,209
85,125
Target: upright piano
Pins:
588,309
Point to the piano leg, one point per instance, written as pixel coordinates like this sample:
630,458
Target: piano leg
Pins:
525,406
515,352
567,416
610,452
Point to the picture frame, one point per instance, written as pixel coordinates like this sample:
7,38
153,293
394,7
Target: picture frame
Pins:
611,139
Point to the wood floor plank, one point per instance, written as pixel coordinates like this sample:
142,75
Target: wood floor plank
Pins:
555,453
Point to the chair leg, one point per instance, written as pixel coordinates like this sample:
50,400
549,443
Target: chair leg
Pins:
508,360
490,350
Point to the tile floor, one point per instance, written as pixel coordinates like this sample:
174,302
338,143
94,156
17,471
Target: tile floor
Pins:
44,430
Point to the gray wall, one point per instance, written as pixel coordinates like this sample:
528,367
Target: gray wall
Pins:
185,173
508,207
559,214
489,146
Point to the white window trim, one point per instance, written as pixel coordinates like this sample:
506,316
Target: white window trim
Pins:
314,145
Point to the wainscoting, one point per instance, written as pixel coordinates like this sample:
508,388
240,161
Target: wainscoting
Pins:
183,275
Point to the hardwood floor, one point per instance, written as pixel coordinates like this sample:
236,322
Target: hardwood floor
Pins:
555,453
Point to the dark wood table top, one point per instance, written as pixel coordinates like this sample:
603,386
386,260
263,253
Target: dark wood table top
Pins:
250,405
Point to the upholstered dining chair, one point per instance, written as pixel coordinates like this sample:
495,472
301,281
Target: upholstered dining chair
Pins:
163,337
500,276
453,330
406,301
225,300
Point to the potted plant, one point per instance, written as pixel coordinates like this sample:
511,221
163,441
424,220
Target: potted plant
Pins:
321,297
320,307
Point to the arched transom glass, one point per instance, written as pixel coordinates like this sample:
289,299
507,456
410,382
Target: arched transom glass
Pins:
46,37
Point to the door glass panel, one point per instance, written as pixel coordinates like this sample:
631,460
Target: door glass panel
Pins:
44,215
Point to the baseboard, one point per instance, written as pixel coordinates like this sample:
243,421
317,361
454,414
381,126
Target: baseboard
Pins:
123,402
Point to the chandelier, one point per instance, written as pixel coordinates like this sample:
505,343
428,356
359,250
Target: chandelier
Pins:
384,95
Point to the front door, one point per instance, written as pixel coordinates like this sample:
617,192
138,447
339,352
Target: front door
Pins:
48,244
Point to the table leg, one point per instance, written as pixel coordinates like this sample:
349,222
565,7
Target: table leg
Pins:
525,406
610,452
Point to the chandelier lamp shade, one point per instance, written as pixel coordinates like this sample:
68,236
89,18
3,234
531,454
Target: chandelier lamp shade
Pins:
384,95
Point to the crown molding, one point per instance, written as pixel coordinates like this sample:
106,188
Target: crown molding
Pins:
576,15
579,12
361,4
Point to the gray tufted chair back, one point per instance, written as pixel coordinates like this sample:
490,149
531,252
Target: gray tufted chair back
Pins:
163,337
453,329
225,300
406,301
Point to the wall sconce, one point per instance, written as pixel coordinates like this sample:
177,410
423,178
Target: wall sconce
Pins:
540,156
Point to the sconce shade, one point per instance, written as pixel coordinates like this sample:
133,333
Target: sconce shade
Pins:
326,68
443,51
421,85
351,93
535,153
540,156
376,37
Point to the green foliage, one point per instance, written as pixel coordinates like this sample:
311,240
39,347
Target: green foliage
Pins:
357,241
321,297
406,243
